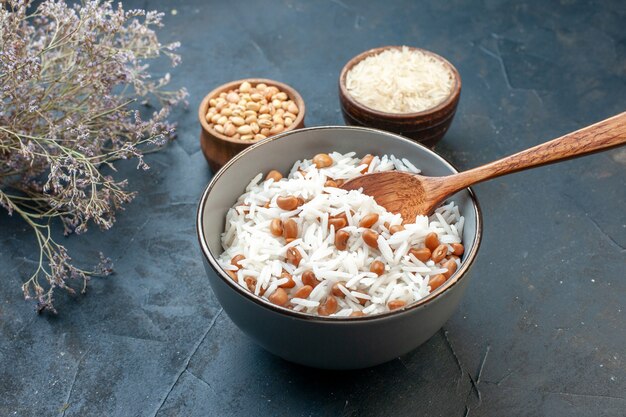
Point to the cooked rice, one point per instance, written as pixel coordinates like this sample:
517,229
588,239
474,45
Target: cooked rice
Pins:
405,278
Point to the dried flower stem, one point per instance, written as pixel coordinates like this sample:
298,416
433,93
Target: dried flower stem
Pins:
69,77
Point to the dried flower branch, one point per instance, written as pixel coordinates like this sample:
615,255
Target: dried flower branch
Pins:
68,79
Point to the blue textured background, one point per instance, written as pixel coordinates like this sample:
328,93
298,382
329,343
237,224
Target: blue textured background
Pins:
541,328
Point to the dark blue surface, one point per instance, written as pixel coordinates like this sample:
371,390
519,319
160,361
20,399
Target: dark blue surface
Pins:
541,328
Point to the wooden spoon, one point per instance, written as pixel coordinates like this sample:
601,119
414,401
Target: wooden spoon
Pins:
411,194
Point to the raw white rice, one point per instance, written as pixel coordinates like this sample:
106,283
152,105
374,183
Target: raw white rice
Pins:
400,81
405,278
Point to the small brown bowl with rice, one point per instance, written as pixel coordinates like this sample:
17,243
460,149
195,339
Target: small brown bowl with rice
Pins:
240,113
400,89
323,276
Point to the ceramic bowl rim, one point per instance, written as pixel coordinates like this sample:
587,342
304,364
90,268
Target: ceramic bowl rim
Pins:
450,99
291,92
208,255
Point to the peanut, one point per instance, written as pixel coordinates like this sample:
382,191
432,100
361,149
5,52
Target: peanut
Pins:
276,129
229,129
278,120
244,130
253,105
292,108
237,120
245,87
264,123
232,97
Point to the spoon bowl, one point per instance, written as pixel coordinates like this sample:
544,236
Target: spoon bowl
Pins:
399,192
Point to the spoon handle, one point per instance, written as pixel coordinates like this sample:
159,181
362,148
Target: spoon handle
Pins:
600,136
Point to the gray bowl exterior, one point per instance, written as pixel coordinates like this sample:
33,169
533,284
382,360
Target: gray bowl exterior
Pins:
324,342
335,344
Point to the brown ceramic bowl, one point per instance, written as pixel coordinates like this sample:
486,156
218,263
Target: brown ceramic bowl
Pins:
426,127
219,148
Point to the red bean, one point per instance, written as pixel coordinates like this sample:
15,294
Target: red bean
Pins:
431,241
328,307
279,297
370,237
368,220
287,203
436,281
396,304
377,267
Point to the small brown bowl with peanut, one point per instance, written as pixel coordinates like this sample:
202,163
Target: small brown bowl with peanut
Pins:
240,113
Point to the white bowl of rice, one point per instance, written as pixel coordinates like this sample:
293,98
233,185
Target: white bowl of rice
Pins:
325,277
